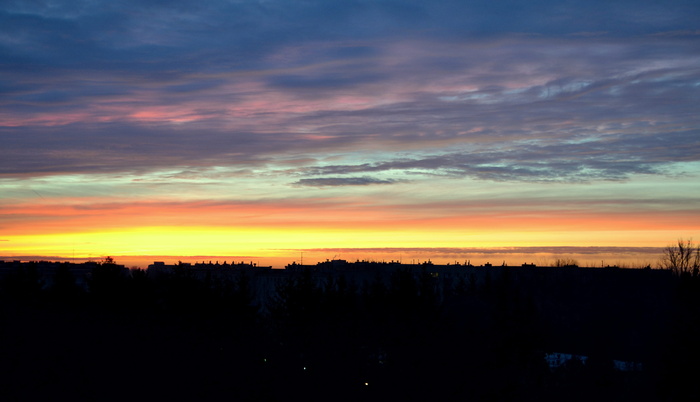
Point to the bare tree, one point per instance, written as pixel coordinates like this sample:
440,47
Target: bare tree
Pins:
565,262
682,258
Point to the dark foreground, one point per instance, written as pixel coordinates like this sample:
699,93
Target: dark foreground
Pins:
180,338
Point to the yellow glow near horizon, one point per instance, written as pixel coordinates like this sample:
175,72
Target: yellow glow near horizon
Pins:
184,241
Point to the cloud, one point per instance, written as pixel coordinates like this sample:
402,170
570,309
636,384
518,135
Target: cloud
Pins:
41,258
452,252
562,162
678,33
341,181
440,89
224,35
590,34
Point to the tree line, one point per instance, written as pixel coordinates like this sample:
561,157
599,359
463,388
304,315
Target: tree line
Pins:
327,338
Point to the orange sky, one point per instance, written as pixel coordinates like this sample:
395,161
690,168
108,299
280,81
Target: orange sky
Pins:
237,129
275,232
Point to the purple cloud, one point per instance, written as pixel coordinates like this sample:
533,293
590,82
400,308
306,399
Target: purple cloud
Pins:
539,93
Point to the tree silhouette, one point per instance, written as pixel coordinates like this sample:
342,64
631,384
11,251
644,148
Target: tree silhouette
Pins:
682,258
107,282
297,300
24,283
404,292
238,297
64,287
565,262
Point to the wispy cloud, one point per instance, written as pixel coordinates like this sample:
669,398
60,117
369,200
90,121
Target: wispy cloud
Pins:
341,181
610,109
465,251
572,161
686,32
280,114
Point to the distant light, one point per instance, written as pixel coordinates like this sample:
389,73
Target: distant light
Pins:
304,368
366,383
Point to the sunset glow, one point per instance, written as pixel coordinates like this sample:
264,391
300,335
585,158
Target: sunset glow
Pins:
418,133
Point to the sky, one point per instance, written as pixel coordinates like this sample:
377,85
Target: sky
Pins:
275,131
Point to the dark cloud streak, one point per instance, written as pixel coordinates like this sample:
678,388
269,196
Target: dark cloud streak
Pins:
466,251
341,181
